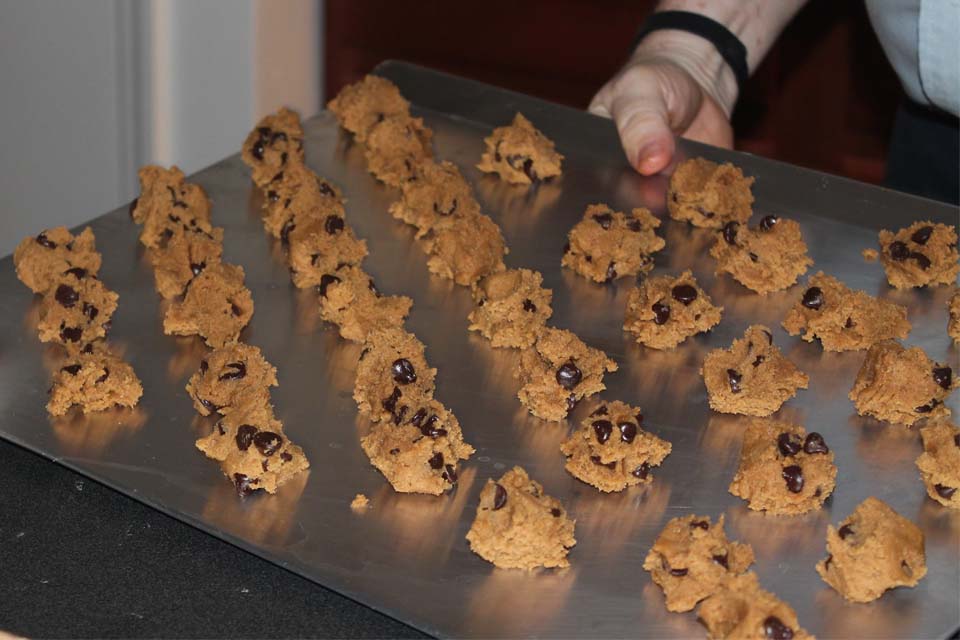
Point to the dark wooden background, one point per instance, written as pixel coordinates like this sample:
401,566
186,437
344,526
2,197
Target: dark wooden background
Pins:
824,97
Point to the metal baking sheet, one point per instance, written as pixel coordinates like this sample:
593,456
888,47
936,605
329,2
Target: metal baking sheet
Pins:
407,555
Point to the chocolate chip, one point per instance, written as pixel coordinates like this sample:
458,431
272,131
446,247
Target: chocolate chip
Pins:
556,513
684,293
597,461
394,451
71,334
237,311
285,230
956,440
436,462
90,311
898,251
390,403
679,572
220,428
769,336
399,414
927,408
661,312
206,404
286,457
72,369
568,375
758,361
813,298
325,281
204,365
77,272
845,531
734,378
445,212
450,474
403,371
753,256
768,222
602,429
603,219
641,471
702,524
245,434
373,287
814,443
921,235
730,232
431,429
103,378
943,376
611,272
333,224
826,563
44,241
922,261
571,402
602,411
66,295
628,431
418,417
722,560
272,195
944,492
239,371
529,306
326,189
789,444
793,476
88,348
774,629
244,484
635,226
133,206
197,267
499,498
267,442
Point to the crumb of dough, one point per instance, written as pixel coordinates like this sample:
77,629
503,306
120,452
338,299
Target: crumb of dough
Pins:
870,255
360,502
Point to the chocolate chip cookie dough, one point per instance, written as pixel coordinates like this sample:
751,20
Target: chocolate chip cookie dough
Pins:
393,377
313,199
185,254
165,193
231,377
558,371
511,308
464,248
939,463
93,379
663,311
320,247
216,306
274,142
844,319
922,254
783,469
76,310
752,377
874,549
692,559
349,299
741,609
43,259
611,451
438,192
518,526
707,194
396,147
520,154
901,385
362,105
607,244
765,258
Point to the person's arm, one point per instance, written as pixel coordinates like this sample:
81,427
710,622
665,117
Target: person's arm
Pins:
678,83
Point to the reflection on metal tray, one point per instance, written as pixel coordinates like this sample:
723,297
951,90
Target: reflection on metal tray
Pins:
407,555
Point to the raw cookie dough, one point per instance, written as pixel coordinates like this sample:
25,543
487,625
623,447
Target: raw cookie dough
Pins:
76,310
873,550
438,192
393,377
741,609
692,559
783,469
42,260
765,258
919,255
902,385
707,194
286,185
420,454
360,106
312,199
844,319
322,246
253,451
511,307
465,248
231,377
663,311
94,379
183,257
611,451
360,502
518,526
558,371
349,299
609,244
396,147
953,324
164,192
274,142
939,463
520,154
216,306
752,377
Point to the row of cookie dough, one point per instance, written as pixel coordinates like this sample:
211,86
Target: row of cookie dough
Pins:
75,312
415,442
208,298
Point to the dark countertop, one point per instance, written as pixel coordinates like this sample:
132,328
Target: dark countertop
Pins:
78,559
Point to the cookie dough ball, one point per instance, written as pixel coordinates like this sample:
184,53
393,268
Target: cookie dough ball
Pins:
95,380
186,253
922,254
741,609
901,385
611,451
609,244
765,258
76,310
465,248
663,311
953,324
298,196
362,105
511,307
322,246
520,154
844,319
438,192
165,193
393,377
558,371
43,259
707,194
349,299
274,142
420,453
752,377
217,306
396,147
783,469
873,550
692,559
230,378
939,463
518,526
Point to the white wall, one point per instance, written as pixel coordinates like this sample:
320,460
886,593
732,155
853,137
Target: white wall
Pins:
91,90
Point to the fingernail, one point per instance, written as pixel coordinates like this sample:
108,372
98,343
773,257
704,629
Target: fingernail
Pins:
651,158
